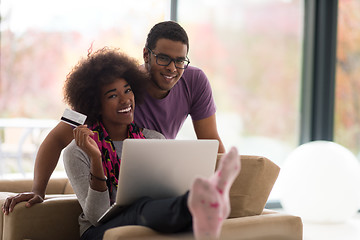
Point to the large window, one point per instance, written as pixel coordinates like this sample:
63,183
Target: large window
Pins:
347,97
40,42
251,52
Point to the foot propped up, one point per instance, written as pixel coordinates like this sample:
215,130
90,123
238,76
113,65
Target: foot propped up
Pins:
209,201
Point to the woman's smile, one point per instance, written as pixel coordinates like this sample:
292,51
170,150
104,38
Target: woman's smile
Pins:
125,110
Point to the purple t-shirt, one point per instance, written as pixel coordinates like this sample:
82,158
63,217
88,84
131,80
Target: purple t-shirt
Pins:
191,95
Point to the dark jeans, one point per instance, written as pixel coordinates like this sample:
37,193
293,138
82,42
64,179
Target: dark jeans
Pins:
169,215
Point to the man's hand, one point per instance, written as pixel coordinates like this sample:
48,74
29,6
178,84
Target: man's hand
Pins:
31,198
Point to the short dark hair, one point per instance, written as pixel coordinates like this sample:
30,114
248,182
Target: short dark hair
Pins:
168,30
82,88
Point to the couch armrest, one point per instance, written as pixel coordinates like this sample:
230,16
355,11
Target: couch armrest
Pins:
55,218
142,233
269,226
3,196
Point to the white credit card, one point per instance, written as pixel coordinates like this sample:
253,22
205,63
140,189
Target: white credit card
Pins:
73,118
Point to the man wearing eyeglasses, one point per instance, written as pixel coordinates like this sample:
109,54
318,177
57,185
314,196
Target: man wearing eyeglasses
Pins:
176,89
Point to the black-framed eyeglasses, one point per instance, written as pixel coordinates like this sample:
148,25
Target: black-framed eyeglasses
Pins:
165,60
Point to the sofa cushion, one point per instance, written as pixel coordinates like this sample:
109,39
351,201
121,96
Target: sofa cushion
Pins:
16,185
251,189
55,186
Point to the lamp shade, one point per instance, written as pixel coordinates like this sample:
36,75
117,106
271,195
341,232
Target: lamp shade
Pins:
320,182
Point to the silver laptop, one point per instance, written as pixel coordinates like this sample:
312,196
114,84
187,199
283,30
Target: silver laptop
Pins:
160,168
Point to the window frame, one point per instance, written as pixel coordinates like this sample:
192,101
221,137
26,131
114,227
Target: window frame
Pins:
318,70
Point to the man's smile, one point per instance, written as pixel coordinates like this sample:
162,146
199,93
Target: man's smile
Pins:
169,78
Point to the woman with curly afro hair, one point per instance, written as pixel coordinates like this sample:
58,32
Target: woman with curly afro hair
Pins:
83,84
104,87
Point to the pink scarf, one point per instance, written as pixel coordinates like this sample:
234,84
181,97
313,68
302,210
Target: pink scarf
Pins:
110,160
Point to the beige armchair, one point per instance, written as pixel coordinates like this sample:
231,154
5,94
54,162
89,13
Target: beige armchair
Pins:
57,217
